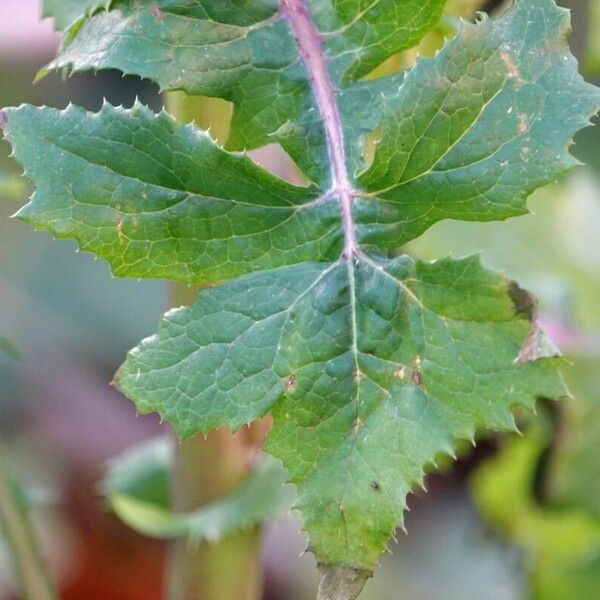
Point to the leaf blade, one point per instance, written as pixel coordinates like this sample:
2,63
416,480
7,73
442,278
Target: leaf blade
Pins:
497,111
251,61
370,366
408,385
158,199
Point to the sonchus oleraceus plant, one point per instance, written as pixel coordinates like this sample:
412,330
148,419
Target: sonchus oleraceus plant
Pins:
370,363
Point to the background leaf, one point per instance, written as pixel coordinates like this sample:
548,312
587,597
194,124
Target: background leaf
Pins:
136,486
563,546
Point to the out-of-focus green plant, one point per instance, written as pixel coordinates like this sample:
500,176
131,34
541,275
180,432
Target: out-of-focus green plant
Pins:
9,348
592,59
12,187
542,491
137,488
561,542
575,467
16,532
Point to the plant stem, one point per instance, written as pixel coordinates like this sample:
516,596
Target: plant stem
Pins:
314,58
29,566
228,569
206,469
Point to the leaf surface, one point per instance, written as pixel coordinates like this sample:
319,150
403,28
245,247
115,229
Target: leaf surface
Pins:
159,199
467,135
370,369
472,132
244,51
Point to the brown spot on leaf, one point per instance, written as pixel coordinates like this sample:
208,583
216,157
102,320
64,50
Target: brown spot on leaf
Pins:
537,344
416,377
511,68
401,372
525,304
374,485
3,119
156,12
357,425
523,124
290,383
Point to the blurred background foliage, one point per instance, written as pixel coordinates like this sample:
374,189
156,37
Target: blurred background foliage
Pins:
513,519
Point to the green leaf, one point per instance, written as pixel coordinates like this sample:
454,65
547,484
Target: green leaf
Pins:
477,142
370,366
142,473
137,488
472,132
159,199
244,51
370,369
360,36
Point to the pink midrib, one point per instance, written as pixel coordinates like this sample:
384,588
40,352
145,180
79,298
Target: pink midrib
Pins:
315,60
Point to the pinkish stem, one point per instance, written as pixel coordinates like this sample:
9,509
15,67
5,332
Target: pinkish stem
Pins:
315,60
